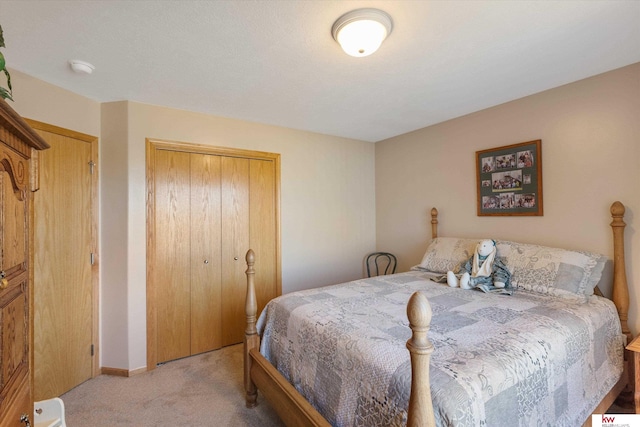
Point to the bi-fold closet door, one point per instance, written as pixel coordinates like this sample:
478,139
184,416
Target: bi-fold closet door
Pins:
208,210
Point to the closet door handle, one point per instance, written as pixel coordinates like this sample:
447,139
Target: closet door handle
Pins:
235,258
206,261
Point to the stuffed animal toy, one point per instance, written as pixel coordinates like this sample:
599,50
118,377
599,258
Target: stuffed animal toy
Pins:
483,270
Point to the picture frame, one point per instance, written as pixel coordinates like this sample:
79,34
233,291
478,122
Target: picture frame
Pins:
509,180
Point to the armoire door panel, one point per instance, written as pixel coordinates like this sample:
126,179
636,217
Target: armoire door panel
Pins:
206,327
14,334
15,386
262,227
12,227
18,180
235,243
14,305
172,264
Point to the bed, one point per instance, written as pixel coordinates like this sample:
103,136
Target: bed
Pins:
338,355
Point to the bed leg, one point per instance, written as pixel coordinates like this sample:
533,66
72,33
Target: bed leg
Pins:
251,338
420,412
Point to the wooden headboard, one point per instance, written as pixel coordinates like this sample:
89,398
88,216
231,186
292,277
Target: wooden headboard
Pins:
620,295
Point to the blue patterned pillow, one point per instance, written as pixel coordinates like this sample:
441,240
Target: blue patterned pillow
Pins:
551,271
535,268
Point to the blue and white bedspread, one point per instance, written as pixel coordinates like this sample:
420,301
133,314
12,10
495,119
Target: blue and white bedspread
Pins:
526,359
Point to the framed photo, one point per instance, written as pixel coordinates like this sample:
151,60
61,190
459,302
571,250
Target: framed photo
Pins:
510,180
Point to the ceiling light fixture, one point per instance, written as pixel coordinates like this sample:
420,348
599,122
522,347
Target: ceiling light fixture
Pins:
362,31
81,66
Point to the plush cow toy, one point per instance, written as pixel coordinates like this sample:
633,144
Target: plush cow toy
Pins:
483,270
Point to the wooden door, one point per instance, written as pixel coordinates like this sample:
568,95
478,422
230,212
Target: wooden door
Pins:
15,382
206,301
64,250
263,227
187,255
208,194
235,244
172,264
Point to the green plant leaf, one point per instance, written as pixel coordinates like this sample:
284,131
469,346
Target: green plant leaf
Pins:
5,94
6,72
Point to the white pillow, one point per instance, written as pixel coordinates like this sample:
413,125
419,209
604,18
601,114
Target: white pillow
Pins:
446,254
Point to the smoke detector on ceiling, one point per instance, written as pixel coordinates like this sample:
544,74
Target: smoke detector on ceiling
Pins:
81,67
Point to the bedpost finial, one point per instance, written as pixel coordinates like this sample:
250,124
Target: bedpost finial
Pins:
617,209
419,311
251,257
434,223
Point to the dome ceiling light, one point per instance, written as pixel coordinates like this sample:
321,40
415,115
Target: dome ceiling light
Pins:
362,31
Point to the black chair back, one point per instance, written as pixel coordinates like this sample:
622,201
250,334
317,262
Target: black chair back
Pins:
378,260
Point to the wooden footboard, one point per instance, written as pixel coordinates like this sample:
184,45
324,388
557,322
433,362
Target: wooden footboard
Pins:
294,410
290,406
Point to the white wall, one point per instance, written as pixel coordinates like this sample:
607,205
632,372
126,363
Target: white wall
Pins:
44,102
590,132
115,301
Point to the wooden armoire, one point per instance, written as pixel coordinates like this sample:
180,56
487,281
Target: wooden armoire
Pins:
206,206
18,179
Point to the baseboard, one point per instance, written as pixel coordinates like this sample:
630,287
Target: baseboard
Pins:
119,372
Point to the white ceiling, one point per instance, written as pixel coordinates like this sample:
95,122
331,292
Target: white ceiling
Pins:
275,62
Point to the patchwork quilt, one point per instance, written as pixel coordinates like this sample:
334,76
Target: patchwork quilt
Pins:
499,360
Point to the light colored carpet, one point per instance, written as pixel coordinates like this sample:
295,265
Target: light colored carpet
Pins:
203,390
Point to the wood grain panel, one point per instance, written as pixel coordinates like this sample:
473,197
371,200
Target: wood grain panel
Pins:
14,347
262,228
17,143
42,129
206,327
63,286
235,243
222,241
171,266
13,230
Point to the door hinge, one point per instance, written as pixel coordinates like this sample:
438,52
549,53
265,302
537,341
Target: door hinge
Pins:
92,350
91,165
92,258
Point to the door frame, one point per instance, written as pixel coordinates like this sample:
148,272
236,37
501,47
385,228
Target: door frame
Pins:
153,145
95,267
